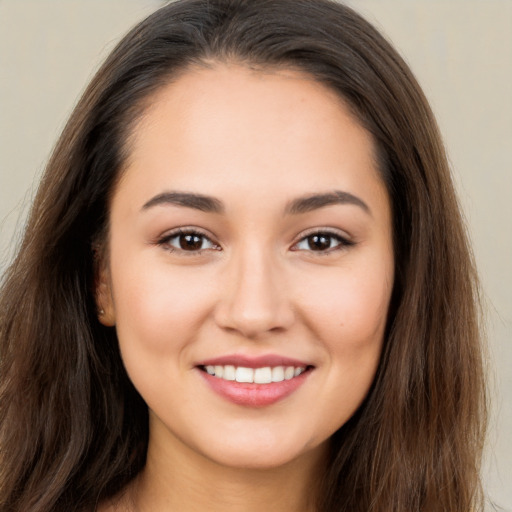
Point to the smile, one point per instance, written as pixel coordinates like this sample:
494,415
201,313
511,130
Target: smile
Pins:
254,381
263,375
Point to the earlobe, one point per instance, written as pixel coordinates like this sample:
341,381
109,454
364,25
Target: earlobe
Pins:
104,301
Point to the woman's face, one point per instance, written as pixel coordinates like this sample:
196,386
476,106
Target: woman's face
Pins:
250,265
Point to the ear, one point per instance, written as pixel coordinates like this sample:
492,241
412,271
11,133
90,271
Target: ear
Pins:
103,295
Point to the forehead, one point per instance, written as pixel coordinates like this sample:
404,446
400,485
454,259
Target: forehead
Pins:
225,126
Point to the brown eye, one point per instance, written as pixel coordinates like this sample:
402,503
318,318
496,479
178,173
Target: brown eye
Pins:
322,241
191,242
319,242
188,241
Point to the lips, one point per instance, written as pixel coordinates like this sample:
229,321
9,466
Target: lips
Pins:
254,382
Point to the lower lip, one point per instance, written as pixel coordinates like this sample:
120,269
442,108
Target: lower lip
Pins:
254,395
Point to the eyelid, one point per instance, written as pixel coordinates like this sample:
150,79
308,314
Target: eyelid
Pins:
344,238
164,239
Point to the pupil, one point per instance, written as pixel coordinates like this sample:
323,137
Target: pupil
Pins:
190,242
319,242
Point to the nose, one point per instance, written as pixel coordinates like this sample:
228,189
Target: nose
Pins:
254,301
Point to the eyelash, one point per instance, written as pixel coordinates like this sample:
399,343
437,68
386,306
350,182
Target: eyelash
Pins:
165,241
341,242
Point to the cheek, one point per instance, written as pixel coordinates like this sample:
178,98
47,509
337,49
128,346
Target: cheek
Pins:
349,305
348,315
158,308
159,311
347,310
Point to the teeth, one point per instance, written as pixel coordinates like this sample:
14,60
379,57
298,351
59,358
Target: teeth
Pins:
289,372
264,375
229,372
277,374
242,374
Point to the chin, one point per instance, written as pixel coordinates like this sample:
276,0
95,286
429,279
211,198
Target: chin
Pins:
264,456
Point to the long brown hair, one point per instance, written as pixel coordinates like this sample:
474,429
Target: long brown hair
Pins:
74,431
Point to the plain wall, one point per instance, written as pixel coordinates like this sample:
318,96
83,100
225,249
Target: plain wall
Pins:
460,50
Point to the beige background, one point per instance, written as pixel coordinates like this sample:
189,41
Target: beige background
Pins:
461,51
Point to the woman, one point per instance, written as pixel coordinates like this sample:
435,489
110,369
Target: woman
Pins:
245,282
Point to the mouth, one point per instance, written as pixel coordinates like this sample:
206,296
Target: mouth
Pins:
254,382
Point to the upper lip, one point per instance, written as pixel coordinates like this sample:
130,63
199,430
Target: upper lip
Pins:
271,360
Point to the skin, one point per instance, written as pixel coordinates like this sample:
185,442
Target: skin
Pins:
251,140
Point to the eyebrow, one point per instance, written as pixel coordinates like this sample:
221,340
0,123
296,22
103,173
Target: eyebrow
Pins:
300,205
196,201
315,201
